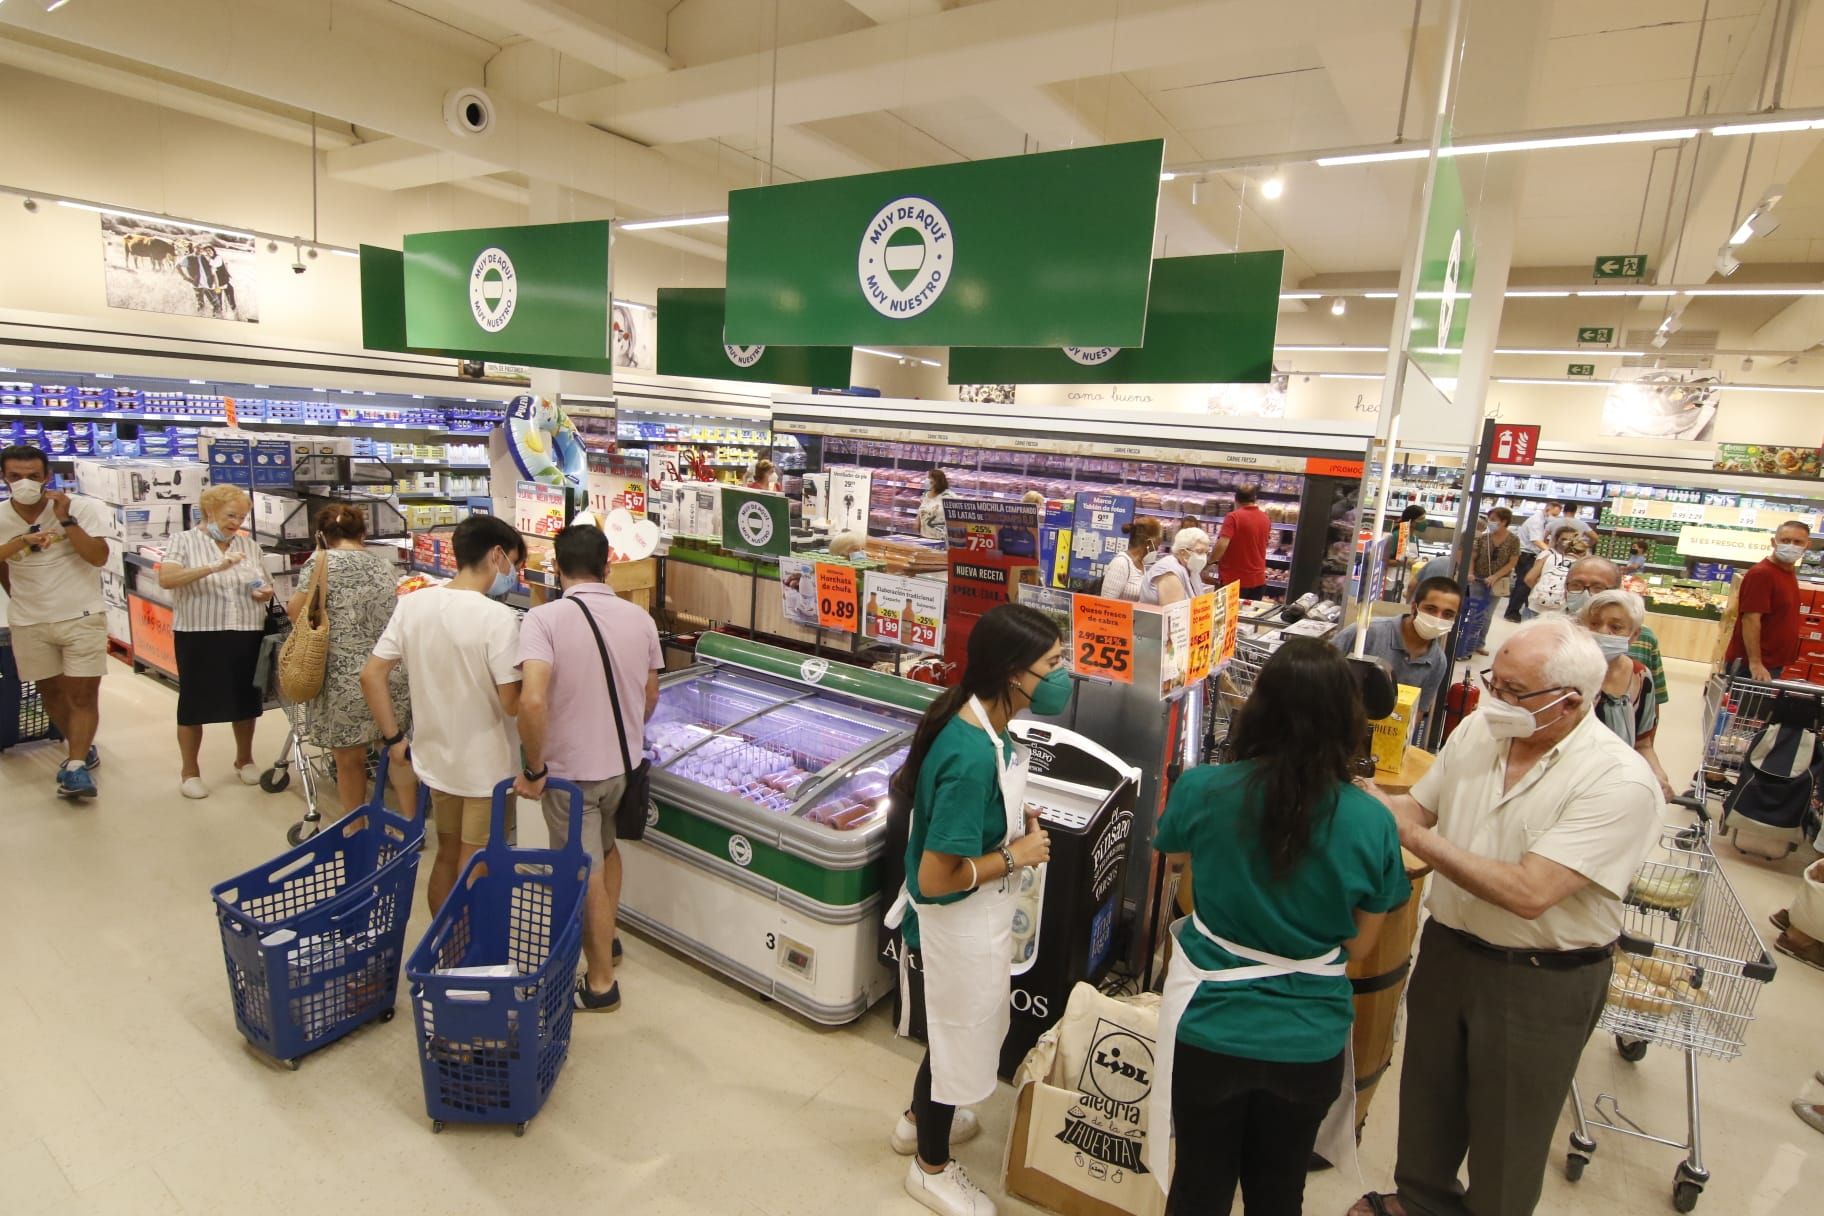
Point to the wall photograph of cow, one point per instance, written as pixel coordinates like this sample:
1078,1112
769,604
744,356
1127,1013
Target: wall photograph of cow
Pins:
154,266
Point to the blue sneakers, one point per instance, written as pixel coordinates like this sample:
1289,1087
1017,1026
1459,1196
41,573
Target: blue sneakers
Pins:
93,759
75,783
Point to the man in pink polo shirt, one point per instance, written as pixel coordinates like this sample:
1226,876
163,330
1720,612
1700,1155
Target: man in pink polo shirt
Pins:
566,727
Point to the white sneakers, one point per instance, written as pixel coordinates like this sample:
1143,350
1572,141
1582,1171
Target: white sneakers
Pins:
964,1128
949,1193
193,787
249,774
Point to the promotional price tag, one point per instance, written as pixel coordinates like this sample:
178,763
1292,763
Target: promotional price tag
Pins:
979,538
1203,637
1691,513
1231,624
837,598
919,632
1102,633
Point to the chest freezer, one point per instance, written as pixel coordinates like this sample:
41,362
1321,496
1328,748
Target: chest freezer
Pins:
767,823
1068,913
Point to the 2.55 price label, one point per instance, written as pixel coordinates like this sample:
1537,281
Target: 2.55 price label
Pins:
1102,638
838,600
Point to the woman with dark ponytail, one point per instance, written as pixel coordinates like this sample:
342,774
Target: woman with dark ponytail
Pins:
1292,870
959,806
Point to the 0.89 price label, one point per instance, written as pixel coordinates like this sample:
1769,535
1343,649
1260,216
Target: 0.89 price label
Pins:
1102,637
838,600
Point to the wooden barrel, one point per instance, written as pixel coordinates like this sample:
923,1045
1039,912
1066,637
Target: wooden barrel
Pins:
1379,978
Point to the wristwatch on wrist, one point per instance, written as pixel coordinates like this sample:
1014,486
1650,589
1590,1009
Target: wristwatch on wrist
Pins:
393,740
68,523
540,775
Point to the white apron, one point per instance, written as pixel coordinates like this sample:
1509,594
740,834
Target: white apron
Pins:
1335,1138
966,950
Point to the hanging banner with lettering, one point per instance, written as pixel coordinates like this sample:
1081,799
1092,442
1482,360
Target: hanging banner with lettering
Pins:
534,289
1231,622
850,499
1102,633
1052,249
903,611
1096,537
691,344
1210,319
993,549
1202,637
838,598
1174,648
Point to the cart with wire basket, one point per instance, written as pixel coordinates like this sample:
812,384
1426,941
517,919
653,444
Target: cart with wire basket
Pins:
313,765
314,938
1231,686
492,980
1688,970
23,717
1736,710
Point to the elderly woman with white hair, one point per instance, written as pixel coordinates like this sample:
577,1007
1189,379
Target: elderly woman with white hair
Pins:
1626,704
219,596
1179,574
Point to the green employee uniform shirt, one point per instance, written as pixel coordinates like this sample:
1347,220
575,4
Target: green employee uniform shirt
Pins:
956,808
1354,862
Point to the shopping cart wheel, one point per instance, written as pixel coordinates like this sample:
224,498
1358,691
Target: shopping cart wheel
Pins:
1573,1166
436,1126
292,1065
1684,1194
303,830
519,1129
274,780
386,1015
1632,1050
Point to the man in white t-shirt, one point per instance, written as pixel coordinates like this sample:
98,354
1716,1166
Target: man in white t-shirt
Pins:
51,545
461,646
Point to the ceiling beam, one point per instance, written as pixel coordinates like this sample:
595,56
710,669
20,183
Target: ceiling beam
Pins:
885,12
628,39
952,54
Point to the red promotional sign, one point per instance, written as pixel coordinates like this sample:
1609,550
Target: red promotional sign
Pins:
1514,443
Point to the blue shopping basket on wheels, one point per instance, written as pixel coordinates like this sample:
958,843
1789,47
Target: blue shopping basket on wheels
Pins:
314,938
491,1045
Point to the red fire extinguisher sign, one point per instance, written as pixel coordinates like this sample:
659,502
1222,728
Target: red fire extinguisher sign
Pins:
1514,443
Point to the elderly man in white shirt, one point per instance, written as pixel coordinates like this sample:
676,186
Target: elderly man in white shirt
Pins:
1534,820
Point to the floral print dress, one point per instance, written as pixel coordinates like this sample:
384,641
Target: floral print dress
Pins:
361,597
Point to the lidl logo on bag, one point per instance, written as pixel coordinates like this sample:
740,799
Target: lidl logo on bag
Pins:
906,258
743,356
1119,1066
493,289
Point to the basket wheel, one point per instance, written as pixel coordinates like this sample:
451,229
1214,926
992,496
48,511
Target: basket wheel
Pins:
1685,1193
1574,1164
386,1015
1632,1050
519,1129
275,780
299,832
436,1127
292,1065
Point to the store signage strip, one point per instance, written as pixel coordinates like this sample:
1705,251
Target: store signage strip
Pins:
693,343
536,289
1052,249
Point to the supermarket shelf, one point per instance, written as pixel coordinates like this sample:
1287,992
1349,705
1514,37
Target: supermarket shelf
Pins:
1634,531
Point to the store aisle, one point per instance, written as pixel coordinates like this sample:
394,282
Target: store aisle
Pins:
125,1087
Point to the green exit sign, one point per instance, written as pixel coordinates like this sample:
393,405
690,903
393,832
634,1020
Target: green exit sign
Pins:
1620,266
1583,369
1596,335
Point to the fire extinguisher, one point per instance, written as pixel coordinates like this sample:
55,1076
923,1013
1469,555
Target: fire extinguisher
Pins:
1460,701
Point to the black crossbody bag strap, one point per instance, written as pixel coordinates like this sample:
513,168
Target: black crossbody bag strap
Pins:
614,694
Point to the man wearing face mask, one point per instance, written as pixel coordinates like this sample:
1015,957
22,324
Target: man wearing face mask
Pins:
51,544
1534,818
1412,644
1766,636
1591,576
461,646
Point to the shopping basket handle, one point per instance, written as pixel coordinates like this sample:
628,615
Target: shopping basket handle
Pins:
497,821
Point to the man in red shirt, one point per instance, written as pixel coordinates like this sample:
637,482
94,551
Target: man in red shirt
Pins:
1240,550
1766,634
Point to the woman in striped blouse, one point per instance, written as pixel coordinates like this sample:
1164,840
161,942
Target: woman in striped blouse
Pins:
219,596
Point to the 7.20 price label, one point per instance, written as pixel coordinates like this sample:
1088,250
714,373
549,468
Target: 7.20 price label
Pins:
838,601
1102,638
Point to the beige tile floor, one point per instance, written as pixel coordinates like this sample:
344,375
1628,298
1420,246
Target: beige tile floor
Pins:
124,1086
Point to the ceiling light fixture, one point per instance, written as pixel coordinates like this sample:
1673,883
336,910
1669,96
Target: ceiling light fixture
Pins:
1168,177
1273,187
1331,350
1338,307
154,219
54,5
887,354
682,221
1537,295
1301,295
1372,158
1726,261
1773,126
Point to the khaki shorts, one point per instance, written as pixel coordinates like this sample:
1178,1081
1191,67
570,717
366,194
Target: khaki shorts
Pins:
600,799
470,818
76,647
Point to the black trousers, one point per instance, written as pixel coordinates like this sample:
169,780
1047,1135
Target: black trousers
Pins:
933,1118
1245,1122
1517,599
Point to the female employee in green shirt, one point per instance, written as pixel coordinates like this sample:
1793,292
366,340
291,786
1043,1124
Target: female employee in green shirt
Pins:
1292,871
968,838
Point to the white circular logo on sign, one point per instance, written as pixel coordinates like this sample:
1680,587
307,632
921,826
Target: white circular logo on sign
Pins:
740,850
814,670
743,356
652,814
1453,274
493,289
755,524
1089,356
906,259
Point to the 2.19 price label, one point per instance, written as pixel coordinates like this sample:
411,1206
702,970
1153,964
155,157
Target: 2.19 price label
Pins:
838,601
1102,636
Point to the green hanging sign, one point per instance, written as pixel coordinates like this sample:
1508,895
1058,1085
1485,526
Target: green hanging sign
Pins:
1053,249
1209,320
691,344
758,522
537,289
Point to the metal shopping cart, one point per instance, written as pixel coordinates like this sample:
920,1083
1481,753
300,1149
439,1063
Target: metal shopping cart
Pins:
312,764
1231,686
1736,709
1688,971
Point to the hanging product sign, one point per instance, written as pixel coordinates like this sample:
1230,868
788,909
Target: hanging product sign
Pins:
1096,536
536,289
798,587
1209,320
1769,460
1055,540
756,522
993,549
903,611
838,597
691,343
1447,272
697,509
1203,627
617,482
538,509
1102,635
1174,648
544,443
1055,604
849,500
814,504
1231,622
1053,249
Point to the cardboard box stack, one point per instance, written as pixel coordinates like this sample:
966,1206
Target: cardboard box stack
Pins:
150,501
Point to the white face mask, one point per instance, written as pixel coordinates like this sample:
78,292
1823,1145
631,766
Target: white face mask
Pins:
1575,601
1431,628
1790,554
27,492
1510,721
1613,646
1195,562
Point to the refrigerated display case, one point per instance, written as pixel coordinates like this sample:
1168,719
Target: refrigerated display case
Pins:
762,852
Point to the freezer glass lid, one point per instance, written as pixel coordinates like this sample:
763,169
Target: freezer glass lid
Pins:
858,800
691,711
766,760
